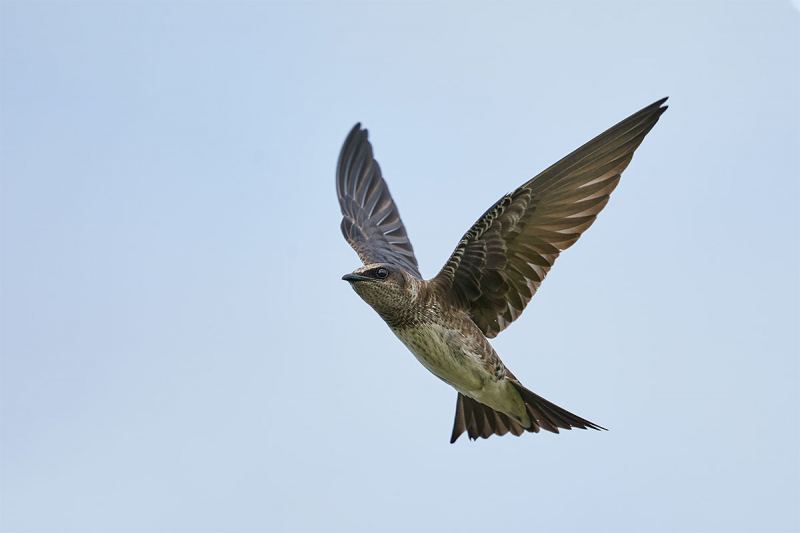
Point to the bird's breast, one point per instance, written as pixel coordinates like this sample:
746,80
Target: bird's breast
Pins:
449,353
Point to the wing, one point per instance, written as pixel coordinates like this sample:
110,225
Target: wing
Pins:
500,262
370,220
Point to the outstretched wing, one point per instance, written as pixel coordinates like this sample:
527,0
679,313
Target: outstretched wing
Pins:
500,262
370,220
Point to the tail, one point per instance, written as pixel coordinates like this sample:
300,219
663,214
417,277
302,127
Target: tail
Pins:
479,420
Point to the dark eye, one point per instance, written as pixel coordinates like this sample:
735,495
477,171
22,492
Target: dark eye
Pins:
381,273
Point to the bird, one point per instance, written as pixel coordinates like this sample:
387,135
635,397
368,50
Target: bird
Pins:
495,270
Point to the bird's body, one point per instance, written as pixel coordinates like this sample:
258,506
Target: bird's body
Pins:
490,277
461,356
454,350
446,341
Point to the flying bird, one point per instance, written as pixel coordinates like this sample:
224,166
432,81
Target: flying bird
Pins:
490,277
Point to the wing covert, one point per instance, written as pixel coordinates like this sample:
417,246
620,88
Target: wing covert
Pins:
371,222
500,262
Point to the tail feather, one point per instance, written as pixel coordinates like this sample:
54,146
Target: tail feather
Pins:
500,426
557,417
479,420
515,427
460,423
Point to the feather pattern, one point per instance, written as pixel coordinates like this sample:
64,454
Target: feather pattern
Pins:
371,222
500,262
479,420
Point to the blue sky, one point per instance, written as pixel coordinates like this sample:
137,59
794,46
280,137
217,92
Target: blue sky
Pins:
178,353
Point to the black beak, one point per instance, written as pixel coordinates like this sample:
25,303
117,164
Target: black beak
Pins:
354,277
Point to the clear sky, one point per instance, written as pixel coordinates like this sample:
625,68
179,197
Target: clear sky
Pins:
178,352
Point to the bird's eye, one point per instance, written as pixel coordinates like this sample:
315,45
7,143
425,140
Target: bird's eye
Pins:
381,273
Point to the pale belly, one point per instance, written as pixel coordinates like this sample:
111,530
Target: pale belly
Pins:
448,354
461,362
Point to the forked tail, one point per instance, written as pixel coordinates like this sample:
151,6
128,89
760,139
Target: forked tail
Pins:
479,420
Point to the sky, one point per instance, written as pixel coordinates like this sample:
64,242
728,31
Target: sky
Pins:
178,352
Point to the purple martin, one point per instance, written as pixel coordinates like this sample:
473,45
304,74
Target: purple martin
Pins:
490,277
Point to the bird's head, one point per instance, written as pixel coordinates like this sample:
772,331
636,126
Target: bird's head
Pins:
387,288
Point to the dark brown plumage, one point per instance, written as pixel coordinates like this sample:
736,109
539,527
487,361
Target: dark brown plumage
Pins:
479,420
503,258
370,221
491,276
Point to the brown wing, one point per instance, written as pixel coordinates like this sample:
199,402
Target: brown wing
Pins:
500,262
370,220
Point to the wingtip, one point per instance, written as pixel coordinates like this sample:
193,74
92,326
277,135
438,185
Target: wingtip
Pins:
655,110
355,137
658,105
596,427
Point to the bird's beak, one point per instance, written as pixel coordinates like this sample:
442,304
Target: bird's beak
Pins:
354,277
